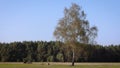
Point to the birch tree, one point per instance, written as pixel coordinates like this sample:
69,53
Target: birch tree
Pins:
74,28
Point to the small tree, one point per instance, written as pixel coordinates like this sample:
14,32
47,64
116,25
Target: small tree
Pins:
73,28
50,59
60,57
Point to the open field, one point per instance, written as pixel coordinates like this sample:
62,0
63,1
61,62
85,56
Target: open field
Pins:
59,65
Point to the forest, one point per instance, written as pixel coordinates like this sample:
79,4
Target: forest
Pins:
56,51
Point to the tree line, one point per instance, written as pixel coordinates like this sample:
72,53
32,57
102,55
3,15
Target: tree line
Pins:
56,51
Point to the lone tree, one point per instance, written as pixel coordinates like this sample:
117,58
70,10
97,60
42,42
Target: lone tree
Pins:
73,28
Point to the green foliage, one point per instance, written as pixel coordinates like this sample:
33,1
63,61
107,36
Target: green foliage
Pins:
55,51
60,57
50,59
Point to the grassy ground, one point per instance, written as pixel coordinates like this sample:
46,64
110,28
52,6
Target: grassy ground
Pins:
81,65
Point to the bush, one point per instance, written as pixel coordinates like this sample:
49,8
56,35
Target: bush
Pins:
60,57
50,59
26,60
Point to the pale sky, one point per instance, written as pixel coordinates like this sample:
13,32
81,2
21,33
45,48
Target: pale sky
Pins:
34,20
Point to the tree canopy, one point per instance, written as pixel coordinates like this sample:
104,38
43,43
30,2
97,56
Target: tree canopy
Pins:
74,27
55,51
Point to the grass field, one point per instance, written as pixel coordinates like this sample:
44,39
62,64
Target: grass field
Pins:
60,65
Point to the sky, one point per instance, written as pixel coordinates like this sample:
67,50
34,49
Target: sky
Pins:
35,20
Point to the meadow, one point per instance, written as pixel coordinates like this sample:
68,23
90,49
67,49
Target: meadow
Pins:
60,65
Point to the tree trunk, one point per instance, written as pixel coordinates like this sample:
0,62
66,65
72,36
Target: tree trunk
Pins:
73,57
